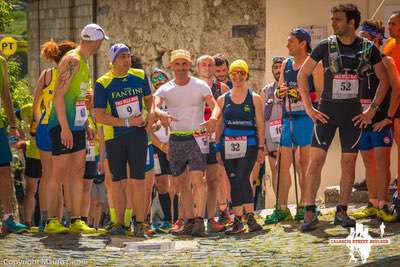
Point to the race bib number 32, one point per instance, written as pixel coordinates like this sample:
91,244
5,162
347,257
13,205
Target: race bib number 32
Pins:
235,147
128,107
345,86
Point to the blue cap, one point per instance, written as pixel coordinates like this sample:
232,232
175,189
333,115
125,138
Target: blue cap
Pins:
303,35
116,49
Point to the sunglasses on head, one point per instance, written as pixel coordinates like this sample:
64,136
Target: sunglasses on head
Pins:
240,72
277,60
158,78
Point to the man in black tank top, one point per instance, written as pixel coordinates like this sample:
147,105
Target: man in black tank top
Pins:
205,70
377,139
344,57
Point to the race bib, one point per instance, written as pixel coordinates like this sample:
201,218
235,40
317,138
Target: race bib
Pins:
148,156
90,150
235,147
202,141
275,130
345,86
295,105
157,166
128,107
80,113
365,103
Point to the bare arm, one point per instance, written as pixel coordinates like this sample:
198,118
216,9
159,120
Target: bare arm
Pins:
394,80
6,98
37,101
69,66
318,78
383,87
260,123
224,88
306,70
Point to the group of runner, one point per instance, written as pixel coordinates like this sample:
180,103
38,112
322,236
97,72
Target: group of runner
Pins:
200,140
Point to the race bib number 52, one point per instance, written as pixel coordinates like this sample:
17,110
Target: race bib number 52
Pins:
345,86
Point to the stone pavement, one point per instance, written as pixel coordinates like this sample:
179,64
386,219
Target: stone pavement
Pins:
276,245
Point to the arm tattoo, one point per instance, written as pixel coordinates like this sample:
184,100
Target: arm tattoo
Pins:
67,73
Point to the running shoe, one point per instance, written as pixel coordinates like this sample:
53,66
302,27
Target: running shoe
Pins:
178,225
185,230
396,203
198,227
80,226
237,227
300,213
139,230
11,226
386,215
279,215
214,227
117,229
310,221
342,219
224,217
148,230
252,223
53,226
367,212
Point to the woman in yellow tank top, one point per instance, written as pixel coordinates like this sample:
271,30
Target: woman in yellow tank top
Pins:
44,91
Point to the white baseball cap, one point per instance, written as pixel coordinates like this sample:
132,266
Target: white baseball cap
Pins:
93,32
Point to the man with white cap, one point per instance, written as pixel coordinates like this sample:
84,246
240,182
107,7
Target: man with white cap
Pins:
68,128
121,97
185,97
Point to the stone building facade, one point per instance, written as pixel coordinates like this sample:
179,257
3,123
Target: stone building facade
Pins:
153,28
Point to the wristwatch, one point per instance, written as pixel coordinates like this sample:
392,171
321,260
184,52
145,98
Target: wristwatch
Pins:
374,106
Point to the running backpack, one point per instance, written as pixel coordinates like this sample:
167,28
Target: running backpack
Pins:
335,60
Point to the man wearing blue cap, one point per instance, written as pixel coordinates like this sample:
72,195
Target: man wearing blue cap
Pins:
121,98
297,127
345,58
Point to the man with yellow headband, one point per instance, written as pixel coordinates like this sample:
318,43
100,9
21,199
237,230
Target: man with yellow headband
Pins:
185,97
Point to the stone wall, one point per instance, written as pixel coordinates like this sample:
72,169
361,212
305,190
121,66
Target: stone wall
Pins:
153,28
53,19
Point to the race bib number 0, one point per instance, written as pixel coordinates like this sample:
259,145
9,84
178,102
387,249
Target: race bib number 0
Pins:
90,150
345,86
80,113
128,107
365,103
275,130
202,141
235,147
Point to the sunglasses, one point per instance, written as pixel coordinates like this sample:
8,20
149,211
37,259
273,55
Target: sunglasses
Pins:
158,78
277,60
240,72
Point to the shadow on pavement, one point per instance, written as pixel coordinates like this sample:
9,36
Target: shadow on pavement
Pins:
66,242
387,262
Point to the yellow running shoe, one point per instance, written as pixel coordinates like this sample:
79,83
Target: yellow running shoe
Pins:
55,227
80,226
386,215
367,212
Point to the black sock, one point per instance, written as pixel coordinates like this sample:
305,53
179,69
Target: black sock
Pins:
165,202
176,208
311,208
341,208
85,219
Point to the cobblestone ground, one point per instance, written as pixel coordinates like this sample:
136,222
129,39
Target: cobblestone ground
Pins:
277,245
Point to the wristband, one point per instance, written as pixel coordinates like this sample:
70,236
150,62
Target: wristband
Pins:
126,122
374,106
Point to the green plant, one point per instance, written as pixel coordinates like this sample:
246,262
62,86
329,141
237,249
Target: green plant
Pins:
5,14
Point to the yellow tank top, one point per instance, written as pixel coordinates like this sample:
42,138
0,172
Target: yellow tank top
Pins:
47,95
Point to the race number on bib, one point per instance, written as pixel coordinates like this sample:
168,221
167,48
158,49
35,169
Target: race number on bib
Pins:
80,113
202,141
345,86
365,103
275,130
128,107
90,150
157,166
235,147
